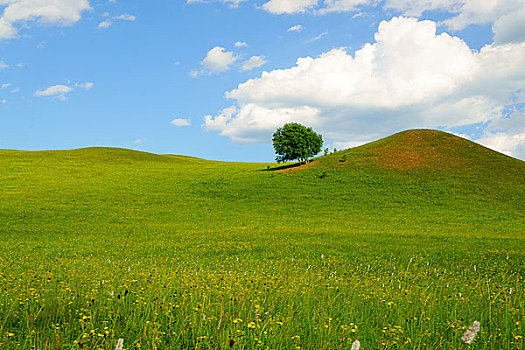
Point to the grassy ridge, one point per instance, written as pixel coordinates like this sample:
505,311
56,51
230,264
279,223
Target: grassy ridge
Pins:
402,242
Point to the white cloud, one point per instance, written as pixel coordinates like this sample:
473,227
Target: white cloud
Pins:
319,37
181,122
217,60
296,28
59,91
409,78
138,141
280,7
3,65
252,63
507,133
507,16
231,3
246,124
4,101
108,22
15,90
105,24
465,12
416,8
510,144
5,85
125,17
482,11
87,86
510,28
241,44
59,12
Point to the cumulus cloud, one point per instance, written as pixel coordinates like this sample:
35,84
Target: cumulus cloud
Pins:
181,122
217,60
3,65
60,91
295,28
410,77
510,28
59,12
5,85
244,125
252,63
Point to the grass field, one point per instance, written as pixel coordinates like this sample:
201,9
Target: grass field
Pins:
401,243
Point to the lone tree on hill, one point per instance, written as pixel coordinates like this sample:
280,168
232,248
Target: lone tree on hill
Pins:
295,141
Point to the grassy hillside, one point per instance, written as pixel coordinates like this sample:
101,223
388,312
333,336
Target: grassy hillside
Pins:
402,242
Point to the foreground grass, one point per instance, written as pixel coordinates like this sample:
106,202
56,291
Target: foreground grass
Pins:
179,253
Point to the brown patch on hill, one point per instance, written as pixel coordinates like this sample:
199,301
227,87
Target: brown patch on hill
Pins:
419,149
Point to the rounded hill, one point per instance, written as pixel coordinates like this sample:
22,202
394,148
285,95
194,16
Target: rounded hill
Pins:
422,149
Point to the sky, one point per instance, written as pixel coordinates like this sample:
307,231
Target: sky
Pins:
215,78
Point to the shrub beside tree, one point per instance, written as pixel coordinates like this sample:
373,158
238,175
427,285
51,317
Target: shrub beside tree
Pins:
296,141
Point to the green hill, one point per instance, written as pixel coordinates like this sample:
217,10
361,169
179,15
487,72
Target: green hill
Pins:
382,235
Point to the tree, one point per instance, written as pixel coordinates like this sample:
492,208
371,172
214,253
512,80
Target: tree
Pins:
295,141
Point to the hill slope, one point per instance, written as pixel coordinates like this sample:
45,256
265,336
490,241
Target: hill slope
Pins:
411,181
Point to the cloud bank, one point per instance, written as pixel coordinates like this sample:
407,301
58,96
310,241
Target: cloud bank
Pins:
56,12
409,77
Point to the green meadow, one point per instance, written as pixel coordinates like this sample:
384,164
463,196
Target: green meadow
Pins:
401,243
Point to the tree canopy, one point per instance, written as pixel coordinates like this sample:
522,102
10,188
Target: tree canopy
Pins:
295,141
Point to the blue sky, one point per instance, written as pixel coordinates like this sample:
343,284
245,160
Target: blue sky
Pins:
214,79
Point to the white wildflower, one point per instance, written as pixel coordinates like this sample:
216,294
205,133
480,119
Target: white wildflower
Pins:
470,334
120,344
356,345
